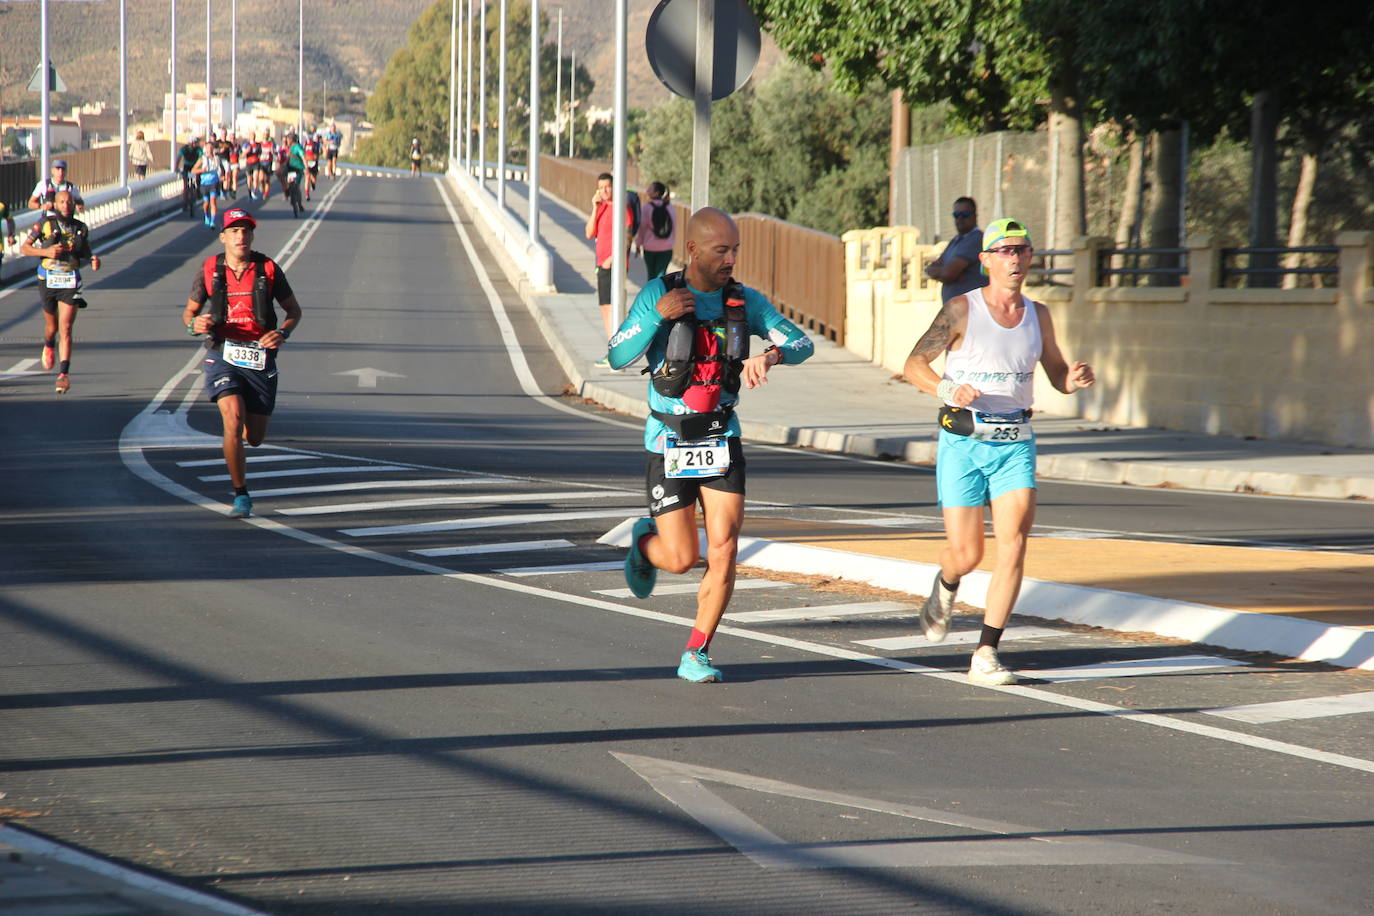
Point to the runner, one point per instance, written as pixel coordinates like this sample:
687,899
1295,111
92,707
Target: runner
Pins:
241,352
312,161
991,339
249,155
293,173
229,149
208,174
187,158
62,242
267,162
7,221
45,192
692,434
332,141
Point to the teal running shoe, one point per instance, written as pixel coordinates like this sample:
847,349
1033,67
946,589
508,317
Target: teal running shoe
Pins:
243,507
696,667
640,574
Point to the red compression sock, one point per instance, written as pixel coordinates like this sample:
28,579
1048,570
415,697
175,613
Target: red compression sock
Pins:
698,640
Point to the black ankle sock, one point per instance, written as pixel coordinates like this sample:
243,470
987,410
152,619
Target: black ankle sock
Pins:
991,636
50,342
65,366
240,491
947,586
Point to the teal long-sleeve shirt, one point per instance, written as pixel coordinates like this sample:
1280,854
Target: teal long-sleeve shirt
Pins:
646,331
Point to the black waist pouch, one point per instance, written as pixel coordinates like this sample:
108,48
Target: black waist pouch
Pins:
689,426
957,420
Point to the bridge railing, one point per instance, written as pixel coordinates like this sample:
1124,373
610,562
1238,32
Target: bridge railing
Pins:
88,169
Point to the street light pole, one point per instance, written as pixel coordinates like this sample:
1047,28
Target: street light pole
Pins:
532,166
558,89
300,70
452,73
123,95
619,243
572,105
482,103
234,69
46,64
209,119
172,149
501,113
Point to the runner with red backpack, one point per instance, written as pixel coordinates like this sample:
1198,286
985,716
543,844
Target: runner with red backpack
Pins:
695,327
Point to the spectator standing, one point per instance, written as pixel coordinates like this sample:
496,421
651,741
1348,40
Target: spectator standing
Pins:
600,228
7,221
957,268
657,231
140,155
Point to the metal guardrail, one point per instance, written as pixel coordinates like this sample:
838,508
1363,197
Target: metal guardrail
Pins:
1159,273
88,169
1045,273
1278,270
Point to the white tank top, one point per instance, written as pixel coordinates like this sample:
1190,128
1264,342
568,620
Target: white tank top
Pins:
998,361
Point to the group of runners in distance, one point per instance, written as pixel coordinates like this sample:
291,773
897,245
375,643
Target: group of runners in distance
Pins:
211,169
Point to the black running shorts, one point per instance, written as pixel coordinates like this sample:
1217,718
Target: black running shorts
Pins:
666,494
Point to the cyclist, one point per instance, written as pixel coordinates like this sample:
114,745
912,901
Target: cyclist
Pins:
241,353
62,242
209,172
293,172
187,158
45,192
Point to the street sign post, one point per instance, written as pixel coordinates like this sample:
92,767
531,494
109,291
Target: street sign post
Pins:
724,39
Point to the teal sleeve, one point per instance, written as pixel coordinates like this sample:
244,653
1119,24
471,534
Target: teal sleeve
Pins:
765,321
636,332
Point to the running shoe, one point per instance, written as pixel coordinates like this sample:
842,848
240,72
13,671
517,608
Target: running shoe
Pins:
243,507
64,382
935,614
696,667
49,357
987,668
640,574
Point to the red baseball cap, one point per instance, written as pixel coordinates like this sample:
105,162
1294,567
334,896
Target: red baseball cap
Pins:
236,216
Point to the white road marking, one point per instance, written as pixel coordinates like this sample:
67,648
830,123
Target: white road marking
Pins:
483,521
1009,844
1134,667
953,638
385,504
502,547
381,485
691,588
1345,704
306,472
367,377
601,566
257,459
820,612
22,368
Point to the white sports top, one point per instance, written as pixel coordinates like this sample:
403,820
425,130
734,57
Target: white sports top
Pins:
998,361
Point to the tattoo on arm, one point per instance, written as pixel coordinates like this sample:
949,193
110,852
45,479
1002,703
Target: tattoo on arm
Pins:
937,338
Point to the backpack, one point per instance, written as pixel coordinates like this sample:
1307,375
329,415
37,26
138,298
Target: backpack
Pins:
632,201
660,219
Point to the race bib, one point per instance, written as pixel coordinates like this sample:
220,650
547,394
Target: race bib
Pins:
246,355
61,279
991,427
696,458
209,178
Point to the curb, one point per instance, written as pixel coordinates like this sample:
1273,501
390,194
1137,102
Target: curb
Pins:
1246,631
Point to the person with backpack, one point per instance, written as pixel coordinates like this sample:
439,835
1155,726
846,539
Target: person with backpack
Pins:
240,285
657,231
61,242
694,326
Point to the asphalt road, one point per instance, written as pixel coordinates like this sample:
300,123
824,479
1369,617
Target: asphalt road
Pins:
367,701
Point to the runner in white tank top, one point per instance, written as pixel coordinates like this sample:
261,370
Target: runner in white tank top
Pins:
991,340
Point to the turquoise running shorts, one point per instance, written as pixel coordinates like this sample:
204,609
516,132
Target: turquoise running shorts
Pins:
971,472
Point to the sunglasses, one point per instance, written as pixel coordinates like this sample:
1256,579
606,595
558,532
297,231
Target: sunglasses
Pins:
1010,251
962,214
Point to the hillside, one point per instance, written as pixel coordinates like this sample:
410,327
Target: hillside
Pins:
347,42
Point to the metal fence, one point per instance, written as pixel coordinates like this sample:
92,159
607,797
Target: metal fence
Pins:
87,169
1007,173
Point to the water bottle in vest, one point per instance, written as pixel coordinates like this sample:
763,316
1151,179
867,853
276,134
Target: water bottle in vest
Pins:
672,377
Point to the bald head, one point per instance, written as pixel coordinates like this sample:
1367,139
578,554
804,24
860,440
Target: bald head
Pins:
64,203
709,221
712,249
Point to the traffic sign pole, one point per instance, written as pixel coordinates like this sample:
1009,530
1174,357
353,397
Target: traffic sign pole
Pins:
701,112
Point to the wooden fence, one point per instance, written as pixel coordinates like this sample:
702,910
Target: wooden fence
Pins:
88,169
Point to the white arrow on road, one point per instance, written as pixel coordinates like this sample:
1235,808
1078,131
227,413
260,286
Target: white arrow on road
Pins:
367,377
1013,844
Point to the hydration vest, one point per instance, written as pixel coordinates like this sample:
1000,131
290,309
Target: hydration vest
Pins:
704,357
263,312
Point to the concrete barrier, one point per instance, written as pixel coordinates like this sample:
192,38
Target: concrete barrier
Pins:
531,258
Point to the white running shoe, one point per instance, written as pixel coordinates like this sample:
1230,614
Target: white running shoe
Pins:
987,668
935,614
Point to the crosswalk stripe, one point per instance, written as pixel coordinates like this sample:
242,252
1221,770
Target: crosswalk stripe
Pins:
953,638
485,521
386,504
1284,710
304,472
255,459
380,485
503,547
602,566
1134,667
820,612
687,588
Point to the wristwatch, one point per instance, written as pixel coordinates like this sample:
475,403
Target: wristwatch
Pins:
285,334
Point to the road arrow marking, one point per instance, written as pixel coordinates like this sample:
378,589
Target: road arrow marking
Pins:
367,377
681,784
22,368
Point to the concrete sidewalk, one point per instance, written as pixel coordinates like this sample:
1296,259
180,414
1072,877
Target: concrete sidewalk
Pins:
1315,605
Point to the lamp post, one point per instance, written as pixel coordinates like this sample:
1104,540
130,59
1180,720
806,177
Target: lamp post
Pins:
482,102
45,63
300,69
172,150
209,120
502,111
532,166
452,73
123,96
558,89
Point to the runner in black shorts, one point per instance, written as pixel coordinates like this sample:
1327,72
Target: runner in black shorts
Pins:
694,326
240,287
62,242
